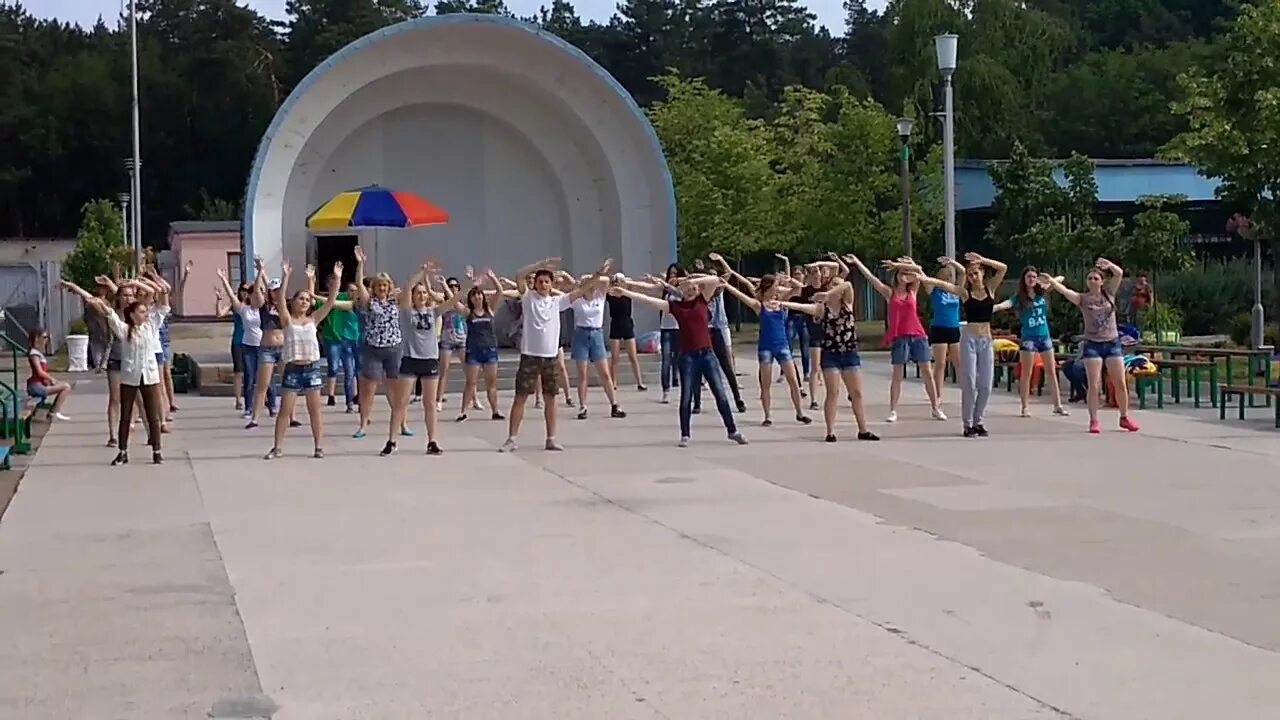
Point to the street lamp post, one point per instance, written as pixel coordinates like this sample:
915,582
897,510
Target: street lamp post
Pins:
945,46
904,133
124,217
135,188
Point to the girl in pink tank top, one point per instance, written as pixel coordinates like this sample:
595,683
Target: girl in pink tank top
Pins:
906,338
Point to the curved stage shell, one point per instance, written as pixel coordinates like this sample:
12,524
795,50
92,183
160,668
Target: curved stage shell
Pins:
532,148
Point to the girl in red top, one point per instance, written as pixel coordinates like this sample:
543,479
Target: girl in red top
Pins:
41,385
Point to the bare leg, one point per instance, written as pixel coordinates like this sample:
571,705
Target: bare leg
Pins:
564,377
60,391
491,386
606,380
398,392
831,400
316,416
929,388
470,373
1050,363
895,386
615,351
287,399
113,405
793,382
517,415
1117,375
430,411
853,383
237,388
1026,366
634,357
816,376
265,371
549,415
446,359
1093,369
365,389
582,384
940,368
766,391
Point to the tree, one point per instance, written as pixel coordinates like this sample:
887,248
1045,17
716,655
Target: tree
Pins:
99,244
719,160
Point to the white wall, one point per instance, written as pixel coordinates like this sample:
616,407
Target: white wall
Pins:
530,148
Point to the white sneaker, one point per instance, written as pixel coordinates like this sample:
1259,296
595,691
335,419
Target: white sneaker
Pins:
666,397
60,416
938,414
477,405
893,416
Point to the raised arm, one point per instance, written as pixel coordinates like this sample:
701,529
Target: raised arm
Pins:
786,263
258,295
885,291
1063,290
589,286
1113,280
998,269
419,276
641,298
232,297
730,273
362,292
282,294
335,282
746,299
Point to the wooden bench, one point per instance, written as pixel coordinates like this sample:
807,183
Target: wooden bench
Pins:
1226,391
1193,368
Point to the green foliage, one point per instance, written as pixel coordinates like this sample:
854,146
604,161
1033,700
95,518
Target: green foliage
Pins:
1162,316
1209,295
1240,328
213,209
99,244
78,327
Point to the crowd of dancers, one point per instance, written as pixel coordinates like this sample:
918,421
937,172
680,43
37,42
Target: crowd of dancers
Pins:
373,333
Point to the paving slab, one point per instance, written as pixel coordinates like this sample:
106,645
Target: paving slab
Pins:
1039,573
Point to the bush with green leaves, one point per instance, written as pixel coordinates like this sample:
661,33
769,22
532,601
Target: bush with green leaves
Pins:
1211,294
99,244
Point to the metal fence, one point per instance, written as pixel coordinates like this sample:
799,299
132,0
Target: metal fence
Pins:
30,298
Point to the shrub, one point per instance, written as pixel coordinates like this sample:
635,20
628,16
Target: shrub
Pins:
78,327
1239,327
1210,295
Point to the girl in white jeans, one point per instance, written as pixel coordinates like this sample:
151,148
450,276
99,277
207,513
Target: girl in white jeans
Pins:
977,358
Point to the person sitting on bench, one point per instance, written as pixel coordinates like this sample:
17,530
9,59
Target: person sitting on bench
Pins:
41,385
1073,371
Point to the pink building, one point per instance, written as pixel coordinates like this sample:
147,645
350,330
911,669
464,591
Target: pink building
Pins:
208,246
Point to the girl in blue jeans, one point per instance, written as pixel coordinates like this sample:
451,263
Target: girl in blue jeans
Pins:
773,346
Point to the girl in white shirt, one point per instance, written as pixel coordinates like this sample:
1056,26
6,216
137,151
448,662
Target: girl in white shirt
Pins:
301,356
139,371
588,344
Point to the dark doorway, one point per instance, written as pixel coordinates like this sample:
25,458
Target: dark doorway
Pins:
335,248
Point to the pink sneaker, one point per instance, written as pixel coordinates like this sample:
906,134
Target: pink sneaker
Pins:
1094,427
1128,424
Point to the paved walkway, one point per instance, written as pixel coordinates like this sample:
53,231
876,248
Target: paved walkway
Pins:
1040,573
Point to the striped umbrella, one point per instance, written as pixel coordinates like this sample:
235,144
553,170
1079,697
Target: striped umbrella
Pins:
376,206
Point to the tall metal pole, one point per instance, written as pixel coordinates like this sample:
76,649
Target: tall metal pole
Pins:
1258,319
905,181
124,216
136,189
949,165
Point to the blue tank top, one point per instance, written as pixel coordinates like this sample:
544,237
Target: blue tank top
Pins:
773,328
1035,318
237,329
946,308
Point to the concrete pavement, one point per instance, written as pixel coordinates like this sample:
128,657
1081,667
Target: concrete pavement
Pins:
1039,573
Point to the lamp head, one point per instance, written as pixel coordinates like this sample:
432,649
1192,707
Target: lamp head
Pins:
946,45
904,127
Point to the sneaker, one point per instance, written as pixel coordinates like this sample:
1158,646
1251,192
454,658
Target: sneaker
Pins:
803,419
358,435
813,405
295,423
406,432
332,401
351,409
1128,424
387,449
239,405
60,416
616,412
440,406
497,416
477,405
156,458
537,403
980,431
804,393
509,446
273,453
111,442
246,414
893,416
738,438
742,407
1059,410
552,445
1026,412
641,388
252,424
318,454
415,399
122,458
582,414
1094,427
434,449
568,402
868,436
938,414
766,423
697,409
684,442
969,432
831,437
666,398
461,418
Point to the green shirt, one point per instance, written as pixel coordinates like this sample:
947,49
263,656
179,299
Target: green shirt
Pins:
340,324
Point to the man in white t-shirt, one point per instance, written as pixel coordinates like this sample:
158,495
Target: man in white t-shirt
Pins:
541,306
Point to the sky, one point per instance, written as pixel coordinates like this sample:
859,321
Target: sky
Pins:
85,12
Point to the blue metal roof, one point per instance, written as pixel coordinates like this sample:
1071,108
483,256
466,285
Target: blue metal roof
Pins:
1118,181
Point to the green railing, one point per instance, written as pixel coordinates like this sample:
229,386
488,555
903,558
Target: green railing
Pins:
11,401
